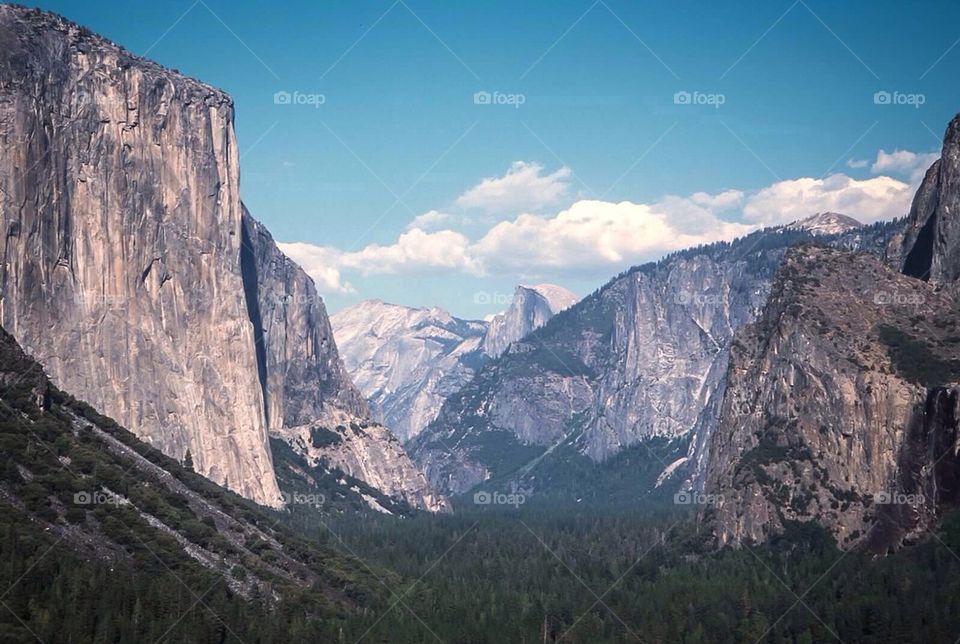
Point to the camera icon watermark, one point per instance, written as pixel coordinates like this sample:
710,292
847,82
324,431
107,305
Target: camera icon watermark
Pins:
97,497
299,98
499,98
299,498
692,497
495,297
884,97
686,297
885,297
714,100
499,498
887,497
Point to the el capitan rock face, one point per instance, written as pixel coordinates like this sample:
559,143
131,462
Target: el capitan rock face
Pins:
134,275
121,248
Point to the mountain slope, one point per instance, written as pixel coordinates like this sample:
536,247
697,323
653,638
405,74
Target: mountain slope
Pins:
826,223
101,525
642,359
842,396
843,400
407,361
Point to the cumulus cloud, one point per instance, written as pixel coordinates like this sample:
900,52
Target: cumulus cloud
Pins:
600,237
867,200
523,188
322,263
430,220
904,162
414,251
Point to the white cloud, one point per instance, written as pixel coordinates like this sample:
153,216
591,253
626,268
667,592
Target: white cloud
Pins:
600,237
905,163
414,251
429,220
523,188
322,263
868,200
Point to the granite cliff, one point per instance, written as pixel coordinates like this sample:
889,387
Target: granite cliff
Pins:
841,404
132,272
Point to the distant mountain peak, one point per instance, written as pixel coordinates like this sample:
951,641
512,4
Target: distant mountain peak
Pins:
826,223
530,309
557,297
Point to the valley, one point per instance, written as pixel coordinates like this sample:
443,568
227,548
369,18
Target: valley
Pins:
539,414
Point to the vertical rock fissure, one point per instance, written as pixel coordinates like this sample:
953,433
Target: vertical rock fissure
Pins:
248,272
920,259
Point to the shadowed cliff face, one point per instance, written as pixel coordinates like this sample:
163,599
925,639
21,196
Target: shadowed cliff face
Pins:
931,243
928,477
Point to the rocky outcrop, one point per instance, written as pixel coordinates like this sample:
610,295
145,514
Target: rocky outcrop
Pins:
839,406
300,369
121,244
529,310
366,451
841,402
407,361
930,247
133,274
642,359
305,385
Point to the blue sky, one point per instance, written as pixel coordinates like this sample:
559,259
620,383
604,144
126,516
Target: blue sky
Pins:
598,168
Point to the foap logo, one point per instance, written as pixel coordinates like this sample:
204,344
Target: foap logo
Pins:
714,100
96,497
298,498
898,498
290,299
90,299
685,297
496,297
885,298
884,97
299,98
692,497
499,98
499,498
